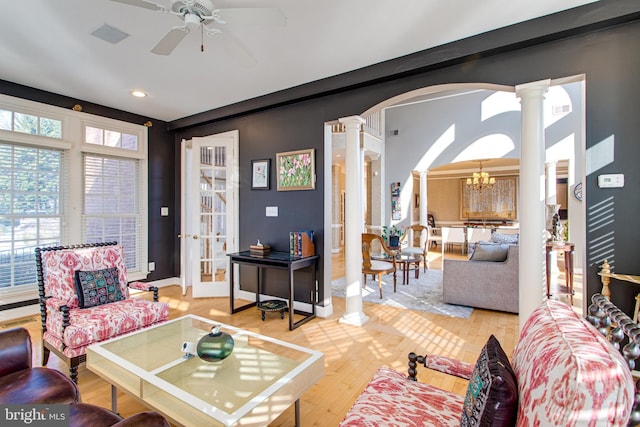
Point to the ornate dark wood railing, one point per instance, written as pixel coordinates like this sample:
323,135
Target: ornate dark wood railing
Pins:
614,324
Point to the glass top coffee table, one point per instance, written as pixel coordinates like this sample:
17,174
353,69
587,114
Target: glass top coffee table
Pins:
259,380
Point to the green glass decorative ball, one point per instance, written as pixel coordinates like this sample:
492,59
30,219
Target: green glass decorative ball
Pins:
215,346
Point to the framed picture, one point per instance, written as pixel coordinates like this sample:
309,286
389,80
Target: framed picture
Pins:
496,203
260,171
296,170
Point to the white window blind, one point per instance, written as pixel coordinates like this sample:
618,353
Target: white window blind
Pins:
32,189
111,205
67,177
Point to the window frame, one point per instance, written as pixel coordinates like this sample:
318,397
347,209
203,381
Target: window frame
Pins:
73,145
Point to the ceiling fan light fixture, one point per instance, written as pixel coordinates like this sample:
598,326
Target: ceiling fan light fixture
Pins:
192,21
138,93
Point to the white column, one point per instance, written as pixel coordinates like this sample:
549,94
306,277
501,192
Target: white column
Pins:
423,197
531,276
551,199
423,206
353,223
550,174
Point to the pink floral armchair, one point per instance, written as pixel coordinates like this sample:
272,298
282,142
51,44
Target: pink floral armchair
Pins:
566,374
69,323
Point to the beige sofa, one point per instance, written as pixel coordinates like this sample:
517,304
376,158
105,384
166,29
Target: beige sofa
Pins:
482,284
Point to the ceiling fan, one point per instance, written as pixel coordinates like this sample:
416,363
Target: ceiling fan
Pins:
199,14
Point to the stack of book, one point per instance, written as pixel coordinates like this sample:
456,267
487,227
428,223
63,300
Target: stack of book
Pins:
301,244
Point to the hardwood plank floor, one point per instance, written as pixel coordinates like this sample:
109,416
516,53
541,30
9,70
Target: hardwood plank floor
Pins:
352,354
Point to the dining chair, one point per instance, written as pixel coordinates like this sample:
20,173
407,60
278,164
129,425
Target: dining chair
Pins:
372,244
413,237
453,236
434,234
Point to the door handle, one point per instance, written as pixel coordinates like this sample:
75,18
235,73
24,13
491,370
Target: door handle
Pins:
195,236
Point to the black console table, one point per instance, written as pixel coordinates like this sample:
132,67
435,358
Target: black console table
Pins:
280,261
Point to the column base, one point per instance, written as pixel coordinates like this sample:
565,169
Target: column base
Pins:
355,319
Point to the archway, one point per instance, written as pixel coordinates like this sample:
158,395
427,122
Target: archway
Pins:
452,143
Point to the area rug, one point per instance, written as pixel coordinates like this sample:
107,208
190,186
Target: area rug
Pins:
422,294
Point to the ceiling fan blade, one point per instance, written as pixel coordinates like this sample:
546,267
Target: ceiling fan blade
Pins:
253,16
170,41
143,4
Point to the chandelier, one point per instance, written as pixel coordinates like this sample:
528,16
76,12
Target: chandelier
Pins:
480,180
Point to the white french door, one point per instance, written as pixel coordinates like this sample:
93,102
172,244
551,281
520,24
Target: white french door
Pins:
209,213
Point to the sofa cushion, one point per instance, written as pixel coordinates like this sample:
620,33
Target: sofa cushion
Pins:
97,287
60,267
492,395
490,252
567,372
511,239
37,385
390,399
99,323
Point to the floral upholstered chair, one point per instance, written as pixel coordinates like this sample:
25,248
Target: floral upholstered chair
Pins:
563,373
84,298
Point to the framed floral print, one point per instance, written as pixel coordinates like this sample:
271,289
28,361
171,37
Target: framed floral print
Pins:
296,170
260,174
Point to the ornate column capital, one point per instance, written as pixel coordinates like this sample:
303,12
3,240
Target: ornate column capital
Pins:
533,89
352,121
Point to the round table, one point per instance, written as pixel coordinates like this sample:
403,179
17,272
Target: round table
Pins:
405,261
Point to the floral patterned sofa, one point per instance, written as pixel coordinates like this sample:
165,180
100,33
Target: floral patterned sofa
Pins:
563,372
73,320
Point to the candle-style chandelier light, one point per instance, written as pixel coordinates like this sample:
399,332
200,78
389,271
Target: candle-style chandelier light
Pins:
480,180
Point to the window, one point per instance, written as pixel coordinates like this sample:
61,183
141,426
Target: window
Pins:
30,209
85,181
29,123
110,138
111,210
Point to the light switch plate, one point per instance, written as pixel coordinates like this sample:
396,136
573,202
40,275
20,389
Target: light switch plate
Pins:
272,211
614,180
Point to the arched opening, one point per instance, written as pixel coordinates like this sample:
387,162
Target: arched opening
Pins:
428,129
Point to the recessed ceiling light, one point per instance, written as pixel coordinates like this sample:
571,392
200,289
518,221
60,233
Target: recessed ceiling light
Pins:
138,93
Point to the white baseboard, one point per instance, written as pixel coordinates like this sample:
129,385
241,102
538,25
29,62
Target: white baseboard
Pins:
165,282
16,313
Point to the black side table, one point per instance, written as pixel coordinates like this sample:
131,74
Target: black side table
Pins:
280,261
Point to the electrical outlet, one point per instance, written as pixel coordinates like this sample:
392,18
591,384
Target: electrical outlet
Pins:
152,266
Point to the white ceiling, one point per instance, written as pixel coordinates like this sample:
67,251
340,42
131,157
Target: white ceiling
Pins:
47,44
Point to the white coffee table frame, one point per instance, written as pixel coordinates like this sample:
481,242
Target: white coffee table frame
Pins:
263,375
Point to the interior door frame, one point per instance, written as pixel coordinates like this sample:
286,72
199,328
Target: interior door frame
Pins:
187,250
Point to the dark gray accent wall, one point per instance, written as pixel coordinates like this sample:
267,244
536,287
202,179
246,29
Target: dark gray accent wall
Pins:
605,51
599,40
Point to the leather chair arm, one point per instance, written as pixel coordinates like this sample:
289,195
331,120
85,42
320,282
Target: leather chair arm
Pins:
15,350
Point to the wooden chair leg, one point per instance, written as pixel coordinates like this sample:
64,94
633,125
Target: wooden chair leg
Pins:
45,355
394,280
380,284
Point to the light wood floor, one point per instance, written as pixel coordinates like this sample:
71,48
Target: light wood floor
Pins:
352,354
